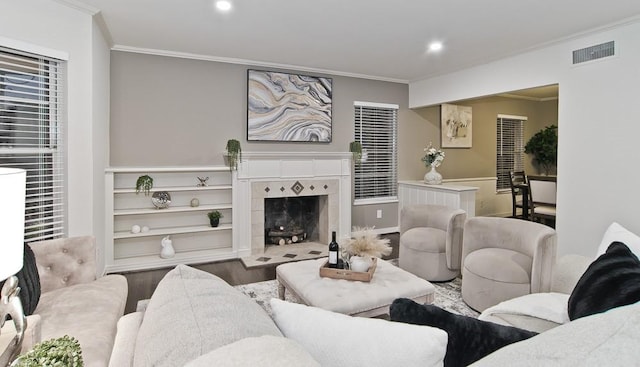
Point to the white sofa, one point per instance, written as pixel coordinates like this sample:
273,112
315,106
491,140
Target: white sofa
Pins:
72,301
196,319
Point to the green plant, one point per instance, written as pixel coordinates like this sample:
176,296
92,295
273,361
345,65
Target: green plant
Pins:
215,215
144,184
544,148
355,147
64,351
234,153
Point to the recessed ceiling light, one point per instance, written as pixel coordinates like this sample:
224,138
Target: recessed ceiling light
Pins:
435,46
223,5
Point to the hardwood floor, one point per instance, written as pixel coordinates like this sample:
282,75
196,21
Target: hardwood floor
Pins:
143,283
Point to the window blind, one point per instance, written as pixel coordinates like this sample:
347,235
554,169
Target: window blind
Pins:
31,113
509,148
376,128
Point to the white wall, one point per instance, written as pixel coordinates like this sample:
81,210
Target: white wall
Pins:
598,126
48,25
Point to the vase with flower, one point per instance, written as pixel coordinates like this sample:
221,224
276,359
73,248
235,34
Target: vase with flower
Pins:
433,158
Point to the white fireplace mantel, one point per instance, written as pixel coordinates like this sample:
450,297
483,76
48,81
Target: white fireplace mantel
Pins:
272,174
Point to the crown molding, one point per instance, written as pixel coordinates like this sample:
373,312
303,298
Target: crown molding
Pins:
528,98
254,63
79,6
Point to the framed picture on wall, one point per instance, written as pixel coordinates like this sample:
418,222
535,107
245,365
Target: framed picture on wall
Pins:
286,107
455,126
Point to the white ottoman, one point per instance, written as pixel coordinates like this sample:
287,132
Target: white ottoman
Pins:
355,298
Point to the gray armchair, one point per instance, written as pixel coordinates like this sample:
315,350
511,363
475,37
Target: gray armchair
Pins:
431,241
504,258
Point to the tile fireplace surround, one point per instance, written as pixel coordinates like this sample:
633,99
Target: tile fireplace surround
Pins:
263,175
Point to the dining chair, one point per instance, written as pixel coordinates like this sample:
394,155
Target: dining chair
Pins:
517,195
542,198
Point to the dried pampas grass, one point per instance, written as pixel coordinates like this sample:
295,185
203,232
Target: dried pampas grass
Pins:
365,242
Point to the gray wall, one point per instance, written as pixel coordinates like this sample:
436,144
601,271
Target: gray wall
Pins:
174,111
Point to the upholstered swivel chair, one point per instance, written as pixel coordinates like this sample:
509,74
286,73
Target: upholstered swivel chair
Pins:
431,241
504,258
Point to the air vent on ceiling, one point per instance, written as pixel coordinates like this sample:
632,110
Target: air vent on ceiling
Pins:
594,52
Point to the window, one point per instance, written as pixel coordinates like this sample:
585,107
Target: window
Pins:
376,128
509,148
31,101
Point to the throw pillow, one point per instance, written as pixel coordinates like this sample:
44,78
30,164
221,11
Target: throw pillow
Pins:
612,280
263,351
29,282
618,233
337,340
469,339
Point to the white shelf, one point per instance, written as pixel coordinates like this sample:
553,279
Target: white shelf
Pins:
170,210
195,242
176,189
171,230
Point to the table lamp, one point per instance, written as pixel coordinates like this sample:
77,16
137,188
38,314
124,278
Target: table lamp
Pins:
12,198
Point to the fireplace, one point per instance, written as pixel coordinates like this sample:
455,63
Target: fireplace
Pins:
297,176
294,219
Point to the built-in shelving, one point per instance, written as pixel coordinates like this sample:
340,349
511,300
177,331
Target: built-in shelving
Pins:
194,240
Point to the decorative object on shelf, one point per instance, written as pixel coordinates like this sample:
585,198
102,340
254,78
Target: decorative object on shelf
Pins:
544,148
167,251
365,242
161,199
195,203
135,228
12,197
64,351
433,158
203,181
234,154
306,100
455,126
144,229
144,184
214,218
359,154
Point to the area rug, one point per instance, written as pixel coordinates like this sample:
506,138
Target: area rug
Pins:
447,296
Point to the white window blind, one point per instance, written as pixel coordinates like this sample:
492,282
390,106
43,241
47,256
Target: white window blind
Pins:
31,103
376,128
509,148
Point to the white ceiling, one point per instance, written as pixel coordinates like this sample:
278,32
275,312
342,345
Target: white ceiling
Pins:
378,39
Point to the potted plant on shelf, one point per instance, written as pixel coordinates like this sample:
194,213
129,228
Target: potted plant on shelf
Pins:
544,148
234,153
144,184
214,218
355,147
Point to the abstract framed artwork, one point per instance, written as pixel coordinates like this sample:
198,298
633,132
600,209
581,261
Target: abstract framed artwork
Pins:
455,126
287,107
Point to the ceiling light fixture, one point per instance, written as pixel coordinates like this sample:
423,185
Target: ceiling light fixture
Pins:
435,46
223,5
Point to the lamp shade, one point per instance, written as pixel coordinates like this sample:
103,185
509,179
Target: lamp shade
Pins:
12,197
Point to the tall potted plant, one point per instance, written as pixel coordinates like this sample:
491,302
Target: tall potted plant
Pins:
234,153
543,146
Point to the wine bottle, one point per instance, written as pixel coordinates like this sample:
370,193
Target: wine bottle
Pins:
333,251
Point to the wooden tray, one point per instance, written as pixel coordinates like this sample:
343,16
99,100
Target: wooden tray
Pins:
328,272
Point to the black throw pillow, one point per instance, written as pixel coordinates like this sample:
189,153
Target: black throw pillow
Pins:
612,280
469,339
29,282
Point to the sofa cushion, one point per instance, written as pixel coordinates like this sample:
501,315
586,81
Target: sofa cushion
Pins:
192,312
612,280
28,281
263,351
88,312
469,339
616,232
605,339
337,340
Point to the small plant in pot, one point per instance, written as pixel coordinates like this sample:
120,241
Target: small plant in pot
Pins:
144,184
234,153
355,147
214,218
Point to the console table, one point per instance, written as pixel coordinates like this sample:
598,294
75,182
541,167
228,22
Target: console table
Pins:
452,196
